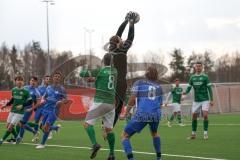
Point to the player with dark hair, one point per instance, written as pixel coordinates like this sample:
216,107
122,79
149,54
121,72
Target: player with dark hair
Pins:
176,93
103,106
55,96
203,98
20,98
39,110
119,49
149,100
35,95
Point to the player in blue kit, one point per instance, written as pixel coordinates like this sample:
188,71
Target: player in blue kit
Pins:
55,96
39,110
147,94
35,95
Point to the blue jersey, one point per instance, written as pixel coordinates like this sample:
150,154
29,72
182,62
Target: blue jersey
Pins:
149,96
53,95
42,89
34,93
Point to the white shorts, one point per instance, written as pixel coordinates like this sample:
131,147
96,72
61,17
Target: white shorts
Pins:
176,107
14,118
104,111
200,105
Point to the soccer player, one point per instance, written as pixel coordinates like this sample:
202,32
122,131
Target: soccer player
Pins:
20,98
39,109
147,94
35,95
119,48
103,106
176,93
203,98
55,97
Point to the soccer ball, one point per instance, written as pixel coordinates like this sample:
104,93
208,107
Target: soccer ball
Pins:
137,17
132,16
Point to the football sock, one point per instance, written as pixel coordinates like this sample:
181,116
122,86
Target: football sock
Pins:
28,128
171,118
31,124
21,132
194,125
44,138
157,146
127,148
179,118
111,142
17,129
91,134
6,134
205,125
14,133
55,128
36,127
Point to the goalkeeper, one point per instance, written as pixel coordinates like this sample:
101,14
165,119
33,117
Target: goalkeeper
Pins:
119,49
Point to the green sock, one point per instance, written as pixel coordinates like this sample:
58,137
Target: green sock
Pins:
194,125
205,125
91,134
6,134
14,133
17,129
32,124
111,142
172,118
179,118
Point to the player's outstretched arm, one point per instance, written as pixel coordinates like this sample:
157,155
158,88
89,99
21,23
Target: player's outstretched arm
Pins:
10,102
189,87
122,27
131,31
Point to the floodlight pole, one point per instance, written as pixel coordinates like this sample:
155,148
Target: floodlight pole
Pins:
48,70
89,31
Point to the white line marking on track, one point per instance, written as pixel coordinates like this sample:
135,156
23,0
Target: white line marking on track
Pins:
136,152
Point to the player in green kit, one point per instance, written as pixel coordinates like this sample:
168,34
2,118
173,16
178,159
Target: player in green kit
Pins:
203,98
20,98
103,106
176,93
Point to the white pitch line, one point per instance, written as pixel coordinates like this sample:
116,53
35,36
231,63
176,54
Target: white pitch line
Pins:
137,152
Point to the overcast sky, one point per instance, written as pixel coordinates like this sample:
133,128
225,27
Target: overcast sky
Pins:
164,25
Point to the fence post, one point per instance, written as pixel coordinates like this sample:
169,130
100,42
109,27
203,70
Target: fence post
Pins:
229,99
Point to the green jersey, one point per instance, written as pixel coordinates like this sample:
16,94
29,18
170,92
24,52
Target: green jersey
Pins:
20,97
105,84
202,87
177,94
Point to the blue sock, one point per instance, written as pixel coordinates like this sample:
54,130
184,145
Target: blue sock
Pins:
36,127
30,129
127,148
55,128
157,146
21,132
44,138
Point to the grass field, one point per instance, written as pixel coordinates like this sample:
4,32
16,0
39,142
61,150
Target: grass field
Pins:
72,143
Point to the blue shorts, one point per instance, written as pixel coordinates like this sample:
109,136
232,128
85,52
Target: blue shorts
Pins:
136,126
49,117
38,114
26,117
